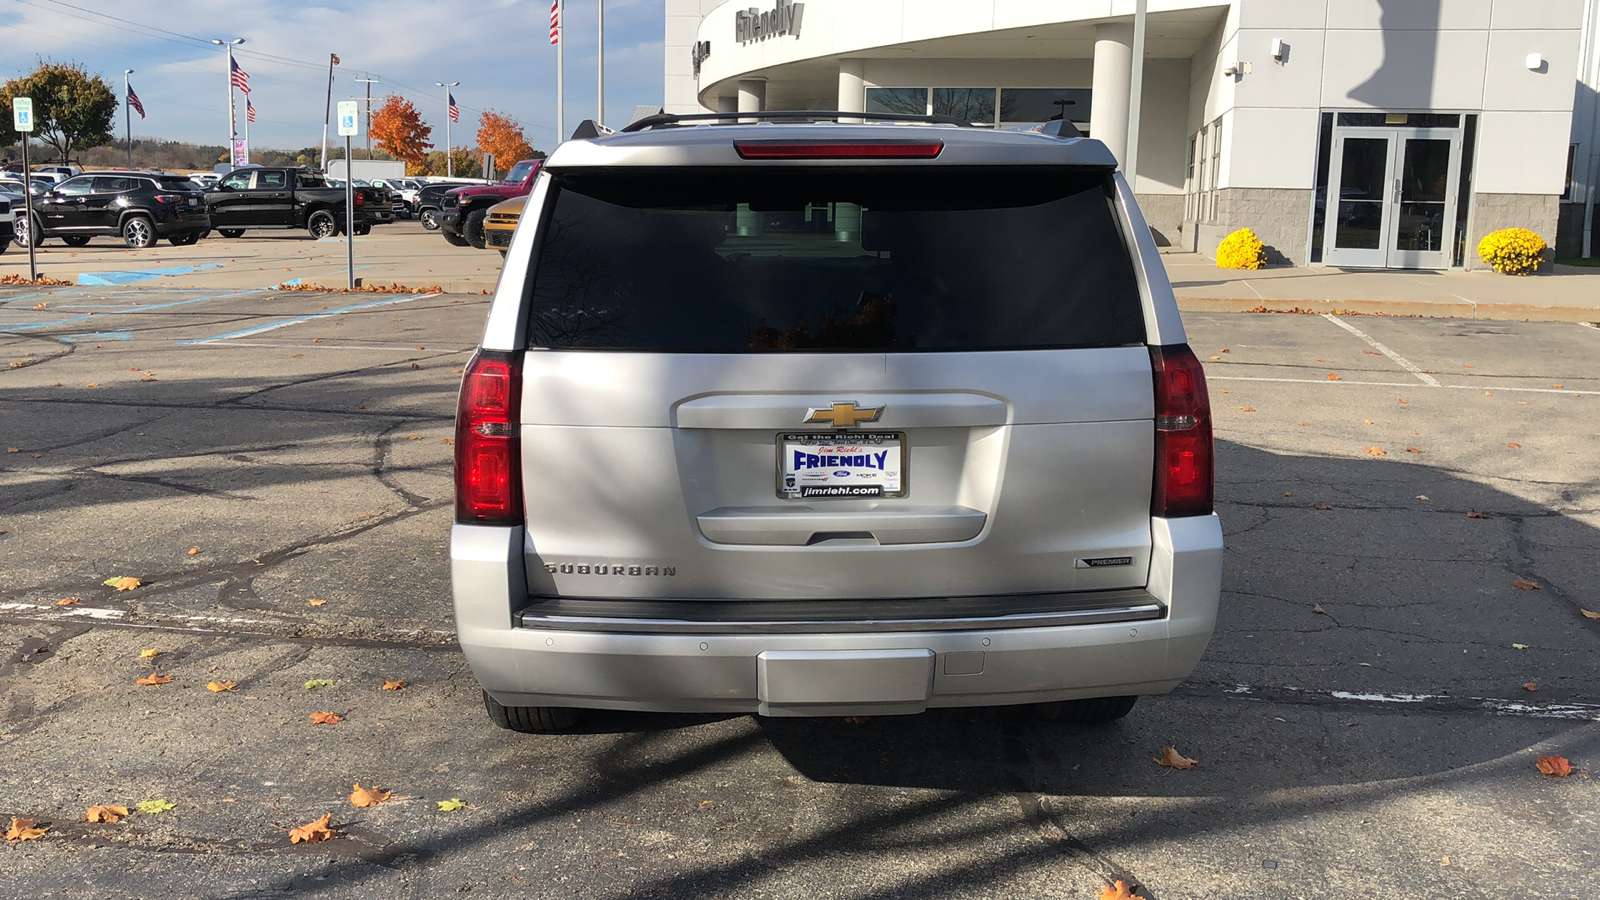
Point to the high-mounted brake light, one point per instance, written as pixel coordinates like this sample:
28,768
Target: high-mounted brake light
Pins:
488,464
838,149
1185,475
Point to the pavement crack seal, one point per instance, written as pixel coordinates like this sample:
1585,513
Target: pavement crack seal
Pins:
68,348
1438,703
88,471
240,627
382,449
1047,824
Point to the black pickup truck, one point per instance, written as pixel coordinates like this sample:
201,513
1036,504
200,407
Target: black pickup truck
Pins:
281,197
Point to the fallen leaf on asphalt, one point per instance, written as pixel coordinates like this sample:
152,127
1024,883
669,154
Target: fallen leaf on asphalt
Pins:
1368,421
1216,357
1304,424
1488,394
1118,891
317,684
13,449
326,718
1413,450
451,805
393,685
1474,514
1288,493
152,807
1375,451
1322,506
24,830
1224,350
364,797
707,804
448,441
1225,390
1400,401
1172,759
1372,353
39,306
416,365
149,652
413,437
1514,445
1555,385
1527,585
1465,366
1245,408
1530,686
313,832
314,601
153,678
1422,496
1589,614
108,814
1317,608
857,720
122,582
67,601
1557,766
1332,377
1519,646
217,687
93,384
193,550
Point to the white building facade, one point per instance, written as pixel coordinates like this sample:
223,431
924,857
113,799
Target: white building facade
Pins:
1361,133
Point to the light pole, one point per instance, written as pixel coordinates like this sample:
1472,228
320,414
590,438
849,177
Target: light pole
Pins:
369,80
127,112
449,158
232,126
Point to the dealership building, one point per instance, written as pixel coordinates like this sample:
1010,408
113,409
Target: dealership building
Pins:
1359,133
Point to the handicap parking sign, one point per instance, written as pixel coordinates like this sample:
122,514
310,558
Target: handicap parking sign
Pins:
22,114
349,116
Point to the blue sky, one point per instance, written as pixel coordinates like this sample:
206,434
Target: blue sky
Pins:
498,49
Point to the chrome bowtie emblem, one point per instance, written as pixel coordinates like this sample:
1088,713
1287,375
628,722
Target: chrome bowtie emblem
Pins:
842,415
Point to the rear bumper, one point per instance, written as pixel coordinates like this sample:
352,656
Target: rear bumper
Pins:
840,672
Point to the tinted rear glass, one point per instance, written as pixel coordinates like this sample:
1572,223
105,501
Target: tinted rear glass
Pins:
788,259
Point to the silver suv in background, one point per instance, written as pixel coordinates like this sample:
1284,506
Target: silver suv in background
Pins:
808,418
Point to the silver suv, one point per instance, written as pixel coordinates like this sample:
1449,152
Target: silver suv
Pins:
809,418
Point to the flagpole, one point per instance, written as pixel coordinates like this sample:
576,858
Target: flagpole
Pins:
247,106
561,67
601,54
127,110
449,154
327,108
233,128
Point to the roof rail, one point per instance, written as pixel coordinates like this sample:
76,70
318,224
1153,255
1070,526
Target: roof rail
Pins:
670,120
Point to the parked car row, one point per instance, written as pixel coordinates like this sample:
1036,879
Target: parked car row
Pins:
143,207
463,212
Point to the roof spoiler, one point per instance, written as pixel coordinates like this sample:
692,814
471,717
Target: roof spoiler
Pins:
589,129
670,120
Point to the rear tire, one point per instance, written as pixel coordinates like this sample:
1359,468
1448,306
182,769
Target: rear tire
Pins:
231,232
1090,711
363,229
454,240
322,225
530,719
429,219
472,228
138,232
75,240
184,240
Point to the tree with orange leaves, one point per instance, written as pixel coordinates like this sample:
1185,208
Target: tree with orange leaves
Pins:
501,135
398,130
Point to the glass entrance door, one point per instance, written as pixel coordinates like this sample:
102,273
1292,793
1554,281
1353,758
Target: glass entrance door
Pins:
1392,198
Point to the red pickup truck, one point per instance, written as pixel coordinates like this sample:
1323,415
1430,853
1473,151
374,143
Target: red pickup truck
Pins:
461,216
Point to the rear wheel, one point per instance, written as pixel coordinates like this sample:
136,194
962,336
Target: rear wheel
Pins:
430,219
231,232
472,227
138,232
322,225
184,240
453,239
1090,711
364,228
502,254
530,719
75,240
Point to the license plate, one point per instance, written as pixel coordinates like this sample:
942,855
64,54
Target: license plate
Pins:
841,465
193,202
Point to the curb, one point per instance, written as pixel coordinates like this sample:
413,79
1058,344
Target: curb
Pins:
1442,309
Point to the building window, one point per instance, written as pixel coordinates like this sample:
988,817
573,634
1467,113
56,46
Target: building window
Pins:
1216,166
1029,106
898,101
972,105
1572,156
1190,184
1201,195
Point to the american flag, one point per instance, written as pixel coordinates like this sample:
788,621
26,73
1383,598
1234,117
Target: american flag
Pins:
249,111
455,111
555,21
133,101
241,78
335,58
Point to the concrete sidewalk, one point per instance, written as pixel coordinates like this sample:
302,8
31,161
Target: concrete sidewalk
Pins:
1557,293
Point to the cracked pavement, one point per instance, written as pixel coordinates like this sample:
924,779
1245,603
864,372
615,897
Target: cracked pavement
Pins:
1383,740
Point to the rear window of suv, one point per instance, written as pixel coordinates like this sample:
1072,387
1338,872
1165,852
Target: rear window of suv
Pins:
829,258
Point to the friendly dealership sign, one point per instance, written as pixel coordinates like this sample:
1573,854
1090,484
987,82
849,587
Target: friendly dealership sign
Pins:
754,25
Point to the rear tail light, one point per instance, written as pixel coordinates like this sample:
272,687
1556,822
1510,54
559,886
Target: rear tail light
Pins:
838,149
169,198
488,464
1185,462
361,198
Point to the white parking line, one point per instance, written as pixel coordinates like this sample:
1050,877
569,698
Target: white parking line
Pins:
1520,708
1402,384
283,323
1404,363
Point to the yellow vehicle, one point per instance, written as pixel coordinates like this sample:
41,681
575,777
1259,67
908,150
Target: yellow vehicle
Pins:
501,222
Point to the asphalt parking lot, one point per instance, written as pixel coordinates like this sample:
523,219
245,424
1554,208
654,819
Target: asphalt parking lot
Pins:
275,469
